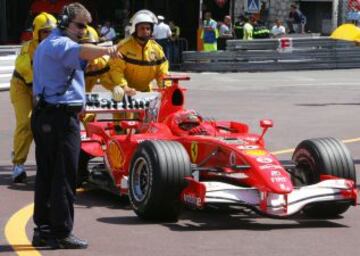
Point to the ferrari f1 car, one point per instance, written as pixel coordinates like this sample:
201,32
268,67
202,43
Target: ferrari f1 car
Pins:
164,156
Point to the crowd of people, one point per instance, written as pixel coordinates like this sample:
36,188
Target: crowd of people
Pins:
166,34
48,94
247,27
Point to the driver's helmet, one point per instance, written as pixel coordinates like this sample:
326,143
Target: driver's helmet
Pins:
188,120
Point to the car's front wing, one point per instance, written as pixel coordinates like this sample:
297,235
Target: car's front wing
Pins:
199,194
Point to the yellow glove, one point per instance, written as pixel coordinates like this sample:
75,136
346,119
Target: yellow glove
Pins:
118,93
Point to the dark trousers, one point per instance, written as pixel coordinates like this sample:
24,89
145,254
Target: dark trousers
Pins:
57,140
164,43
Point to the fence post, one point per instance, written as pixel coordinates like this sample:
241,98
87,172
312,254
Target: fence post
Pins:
335,12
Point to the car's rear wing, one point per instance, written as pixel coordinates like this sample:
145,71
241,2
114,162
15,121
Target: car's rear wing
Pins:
102,102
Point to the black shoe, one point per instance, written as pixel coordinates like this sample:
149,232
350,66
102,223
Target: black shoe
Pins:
21,178
69,242
39,240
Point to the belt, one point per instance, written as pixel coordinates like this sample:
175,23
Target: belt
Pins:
19,76
69,108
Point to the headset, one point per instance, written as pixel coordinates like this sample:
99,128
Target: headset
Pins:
64,20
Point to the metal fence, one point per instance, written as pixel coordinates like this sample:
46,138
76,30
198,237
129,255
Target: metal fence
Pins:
175,51
270,55
9,49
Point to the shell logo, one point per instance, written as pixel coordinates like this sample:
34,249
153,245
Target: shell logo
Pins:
115,155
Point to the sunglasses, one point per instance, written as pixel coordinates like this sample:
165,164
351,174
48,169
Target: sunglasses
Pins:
79,25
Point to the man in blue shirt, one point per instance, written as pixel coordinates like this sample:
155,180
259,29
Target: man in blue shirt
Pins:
60,90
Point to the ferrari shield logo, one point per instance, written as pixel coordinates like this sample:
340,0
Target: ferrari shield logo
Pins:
194,151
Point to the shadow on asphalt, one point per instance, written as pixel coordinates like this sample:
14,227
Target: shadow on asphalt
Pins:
5,178
210,220
99,198
327,104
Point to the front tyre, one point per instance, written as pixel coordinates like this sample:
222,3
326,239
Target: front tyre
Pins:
157,177
322,156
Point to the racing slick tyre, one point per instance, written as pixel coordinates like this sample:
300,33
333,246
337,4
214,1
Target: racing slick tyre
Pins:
157,174
322,156
83,171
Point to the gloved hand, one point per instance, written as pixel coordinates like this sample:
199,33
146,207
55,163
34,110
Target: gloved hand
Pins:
129,91
118,93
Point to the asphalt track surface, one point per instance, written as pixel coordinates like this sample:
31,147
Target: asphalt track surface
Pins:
301,104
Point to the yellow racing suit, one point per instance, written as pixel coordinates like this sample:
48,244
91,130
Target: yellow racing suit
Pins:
21,98
97,72
139,65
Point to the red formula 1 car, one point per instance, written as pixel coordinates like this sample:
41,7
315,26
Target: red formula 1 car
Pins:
164,156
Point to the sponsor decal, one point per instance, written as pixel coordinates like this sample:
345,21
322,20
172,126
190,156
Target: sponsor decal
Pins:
232,158
264,160
269,166
192,200
275,173
280,179
255,152
245,147
238,175
115,155
194,151
153,129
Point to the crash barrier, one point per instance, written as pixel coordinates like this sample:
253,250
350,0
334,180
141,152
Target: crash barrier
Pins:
6,68
9,49
275,55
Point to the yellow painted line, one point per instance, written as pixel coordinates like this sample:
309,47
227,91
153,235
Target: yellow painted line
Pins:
15,232
285,151
290,150
351,140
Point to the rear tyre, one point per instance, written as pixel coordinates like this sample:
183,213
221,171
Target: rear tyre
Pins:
157,177
327,156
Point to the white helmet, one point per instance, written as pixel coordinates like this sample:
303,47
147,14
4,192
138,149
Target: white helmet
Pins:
142,16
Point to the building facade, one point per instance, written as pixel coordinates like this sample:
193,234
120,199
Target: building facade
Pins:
15,18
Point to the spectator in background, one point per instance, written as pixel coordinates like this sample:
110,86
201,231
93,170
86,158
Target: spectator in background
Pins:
107,32
354,11
127,30
210,33
174,43
239,27
248,29
278,30
296,21
225,32
162,34
264,14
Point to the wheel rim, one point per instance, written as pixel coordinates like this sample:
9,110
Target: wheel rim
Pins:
141,179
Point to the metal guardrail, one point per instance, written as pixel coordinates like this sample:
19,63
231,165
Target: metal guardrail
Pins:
264,55
10,49
7,62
